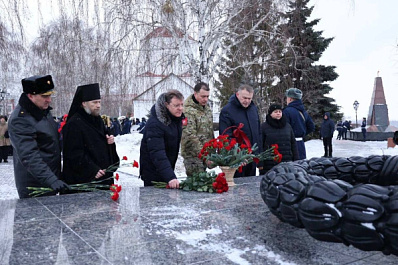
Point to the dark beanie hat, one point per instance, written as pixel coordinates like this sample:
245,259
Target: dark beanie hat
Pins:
274,107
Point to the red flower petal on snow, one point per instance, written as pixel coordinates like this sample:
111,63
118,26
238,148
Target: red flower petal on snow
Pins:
117,176
135,164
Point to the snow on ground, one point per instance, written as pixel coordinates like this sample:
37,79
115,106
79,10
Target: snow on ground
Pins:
129,145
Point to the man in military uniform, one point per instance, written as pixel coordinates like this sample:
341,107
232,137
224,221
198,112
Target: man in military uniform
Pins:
198,129
34,137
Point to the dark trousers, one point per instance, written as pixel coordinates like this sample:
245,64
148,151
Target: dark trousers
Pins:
364,134
327,145
301,150
4,153
247,171
345,134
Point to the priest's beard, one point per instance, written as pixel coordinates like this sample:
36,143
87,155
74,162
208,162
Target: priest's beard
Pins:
91,112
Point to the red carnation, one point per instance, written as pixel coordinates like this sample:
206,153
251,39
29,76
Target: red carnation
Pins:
117,176
115,196
240,169
135,164
124,158
256,160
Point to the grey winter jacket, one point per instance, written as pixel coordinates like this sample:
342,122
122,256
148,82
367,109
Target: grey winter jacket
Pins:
34,137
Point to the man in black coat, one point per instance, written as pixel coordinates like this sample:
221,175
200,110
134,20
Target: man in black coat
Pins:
241,109
34,137
160,143
88,148
327,130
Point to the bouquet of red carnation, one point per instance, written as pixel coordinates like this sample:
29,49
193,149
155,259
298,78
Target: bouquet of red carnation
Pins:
203,181
235,151
93,185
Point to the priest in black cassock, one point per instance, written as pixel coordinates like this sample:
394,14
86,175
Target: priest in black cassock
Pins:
88,148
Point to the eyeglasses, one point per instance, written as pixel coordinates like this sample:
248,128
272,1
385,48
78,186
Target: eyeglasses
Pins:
176,106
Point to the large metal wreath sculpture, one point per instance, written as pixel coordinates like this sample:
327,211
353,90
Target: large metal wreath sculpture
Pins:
347,200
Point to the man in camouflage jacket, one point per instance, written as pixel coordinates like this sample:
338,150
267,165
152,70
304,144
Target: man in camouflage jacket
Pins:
198,129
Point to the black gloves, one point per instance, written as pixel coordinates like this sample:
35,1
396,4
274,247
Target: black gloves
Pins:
59,186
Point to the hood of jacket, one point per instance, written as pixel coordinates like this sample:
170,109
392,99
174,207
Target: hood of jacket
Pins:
162,113
327,114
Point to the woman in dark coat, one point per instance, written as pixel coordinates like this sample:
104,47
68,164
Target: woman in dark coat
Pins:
161,140
276,130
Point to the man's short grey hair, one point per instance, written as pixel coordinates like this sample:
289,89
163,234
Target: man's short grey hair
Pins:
173,93
246,87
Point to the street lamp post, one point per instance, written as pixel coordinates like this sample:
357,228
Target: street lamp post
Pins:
356,104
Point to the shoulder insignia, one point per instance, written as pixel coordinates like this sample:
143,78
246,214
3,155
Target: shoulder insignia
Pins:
21,113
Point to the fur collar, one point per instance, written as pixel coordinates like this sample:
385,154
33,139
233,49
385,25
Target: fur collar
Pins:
276,123
163,114
31,108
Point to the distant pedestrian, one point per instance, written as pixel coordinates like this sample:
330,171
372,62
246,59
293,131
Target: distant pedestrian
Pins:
126,124
346,127
142,124
298,118
363,129
4,139
327,130
339,130
115,127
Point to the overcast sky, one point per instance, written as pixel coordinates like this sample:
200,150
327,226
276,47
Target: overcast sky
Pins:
365,41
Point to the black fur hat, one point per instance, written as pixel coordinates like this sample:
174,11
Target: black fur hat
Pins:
274,107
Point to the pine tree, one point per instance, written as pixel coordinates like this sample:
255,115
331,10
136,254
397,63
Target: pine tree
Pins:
299,68
246,62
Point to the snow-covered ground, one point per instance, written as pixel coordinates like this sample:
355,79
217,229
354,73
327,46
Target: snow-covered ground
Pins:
129,146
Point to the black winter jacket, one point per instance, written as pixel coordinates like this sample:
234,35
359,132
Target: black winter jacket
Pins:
327,127
234,113
86,150
160,145
34,137
278,132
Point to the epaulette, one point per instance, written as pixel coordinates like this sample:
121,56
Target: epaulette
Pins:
22,113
